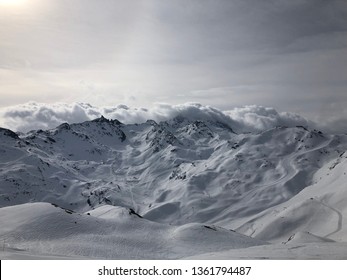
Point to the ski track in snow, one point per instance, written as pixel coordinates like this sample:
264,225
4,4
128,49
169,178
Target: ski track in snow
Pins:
340,218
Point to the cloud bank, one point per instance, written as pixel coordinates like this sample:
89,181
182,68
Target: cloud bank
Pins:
31,116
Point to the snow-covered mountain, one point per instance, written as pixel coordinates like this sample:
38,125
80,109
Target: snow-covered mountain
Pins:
169,183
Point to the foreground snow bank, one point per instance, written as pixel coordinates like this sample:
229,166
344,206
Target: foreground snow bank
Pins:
43,229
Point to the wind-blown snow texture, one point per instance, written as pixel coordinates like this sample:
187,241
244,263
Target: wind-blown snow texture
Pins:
172,189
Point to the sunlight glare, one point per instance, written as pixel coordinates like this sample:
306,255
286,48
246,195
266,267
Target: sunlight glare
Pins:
12,2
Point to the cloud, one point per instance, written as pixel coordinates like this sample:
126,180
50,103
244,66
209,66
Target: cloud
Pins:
334,125
257,118
34,115
252,118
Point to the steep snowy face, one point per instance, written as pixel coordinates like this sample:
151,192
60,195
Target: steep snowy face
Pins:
175,172
316,214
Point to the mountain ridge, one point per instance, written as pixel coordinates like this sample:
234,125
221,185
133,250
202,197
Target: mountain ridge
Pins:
177,172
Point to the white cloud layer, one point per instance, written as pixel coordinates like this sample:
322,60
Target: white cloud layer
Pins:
34,115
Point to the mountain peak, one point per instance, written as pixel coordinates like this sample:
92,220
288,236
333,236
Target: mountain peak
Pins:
101,119
9,133
64,126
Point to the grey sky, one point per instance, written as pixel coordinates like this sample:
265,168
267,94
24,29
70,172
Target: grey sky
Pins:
289,54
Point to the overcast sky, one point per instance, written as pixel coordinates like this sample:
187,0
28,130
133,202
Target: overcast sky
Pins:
286,54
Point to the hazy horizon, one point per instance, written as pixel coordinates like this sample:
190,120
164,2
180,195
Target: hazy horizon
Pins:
287,55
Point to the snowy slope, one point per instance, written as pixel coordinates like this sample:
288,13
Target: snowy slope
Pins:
285,184
319,212
108,232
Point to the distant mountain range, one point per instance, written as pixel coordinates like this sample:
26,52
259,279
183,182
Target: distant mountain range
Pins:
281,185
